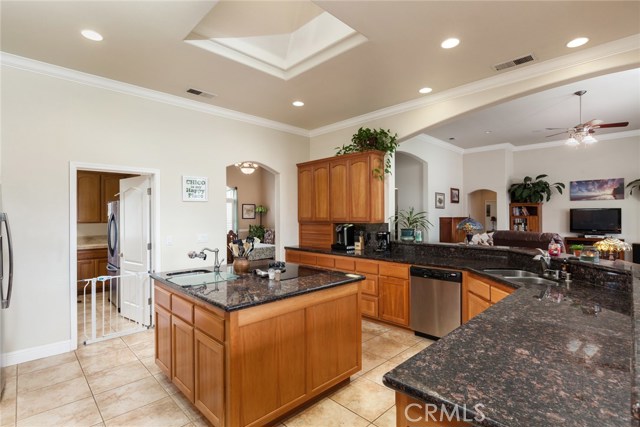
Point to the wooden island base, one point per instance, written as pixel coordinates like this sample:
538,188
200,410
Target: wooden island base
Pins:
252,366
414,413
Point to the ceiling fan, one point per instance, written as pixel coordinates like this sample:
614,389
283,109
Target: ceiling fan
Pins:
582,132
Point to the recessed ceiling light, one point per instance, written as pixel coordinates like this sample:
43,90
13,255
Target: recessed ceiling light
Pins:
577,42
487,131
92,35
425,90
298,103
449,43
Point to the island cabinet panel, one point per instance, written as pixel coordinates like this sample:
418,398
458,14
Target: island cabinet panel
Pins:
163,339
339,185
414,413
182,366
209,379
480,293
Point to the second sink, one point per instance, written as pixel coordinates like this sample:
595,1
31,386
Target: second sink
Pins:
510,273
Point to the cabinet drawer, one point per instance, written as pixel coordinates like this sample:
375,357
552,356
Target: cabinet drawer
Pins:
325,261
369,285
479,288
163,298
292,256
369,306
368,267
344,264
390,269
92,254
498,294
308,259
182,308
209,324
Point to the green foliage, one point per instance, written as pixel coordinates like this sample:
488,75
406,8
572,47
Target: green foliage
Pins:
633,185
373,139
257,231
576,247
411,219
533,190
262,209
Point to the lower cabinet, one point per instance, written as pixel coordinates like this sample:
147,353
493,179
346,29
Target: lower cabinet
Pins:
394,300
91,263
182,373
209,379
163,339
480,293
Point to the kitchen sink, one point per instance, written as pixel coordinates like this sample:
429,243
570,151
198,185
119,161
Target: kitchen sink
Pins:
511,273
187,273
200,277
533,280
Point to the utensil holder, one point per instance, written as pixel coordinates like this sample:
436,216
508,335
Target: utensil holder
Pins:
240,265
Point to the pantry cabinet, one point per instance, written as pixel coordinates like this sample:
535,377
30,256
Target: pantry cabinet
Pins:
94,191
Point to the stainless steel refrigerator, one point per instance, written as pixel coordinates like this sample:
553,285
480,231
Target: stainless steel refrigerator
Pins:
113,252
6,282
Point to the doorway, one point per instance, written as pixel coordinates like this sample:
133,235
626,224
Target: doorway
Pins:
151,219
483,208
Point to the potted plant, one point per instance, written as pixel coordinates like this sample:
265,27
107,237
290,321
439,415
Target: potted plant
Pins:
410,221
373,139
533,190
576,249
633,185
256,231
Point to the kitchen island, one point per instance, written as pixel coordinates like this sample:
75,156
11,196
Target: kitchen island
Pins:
247,350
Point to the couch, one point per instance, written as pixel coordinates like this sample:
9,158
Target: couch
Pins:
526,239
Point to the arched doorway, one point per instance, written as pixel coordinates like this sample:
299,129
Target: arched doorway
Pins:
483,208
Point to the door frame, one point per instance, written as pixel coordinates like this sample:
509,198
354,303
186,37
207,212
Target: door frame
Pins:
154,175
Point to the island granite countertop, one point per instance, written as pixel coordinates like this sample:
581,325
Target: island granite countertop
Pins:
249,290
540,357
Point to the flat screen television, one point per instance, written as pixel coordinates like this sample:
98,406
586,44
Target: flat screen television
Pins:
595,220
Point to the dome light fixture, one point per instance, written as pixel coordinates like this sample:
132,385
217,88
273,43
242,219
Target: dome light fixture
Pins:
577,42
425,90
450,43
298,104
92,35
247,168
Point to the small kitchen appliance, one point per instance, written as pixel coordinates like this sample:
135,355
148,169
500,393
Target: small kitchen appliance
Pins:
384,241
345,238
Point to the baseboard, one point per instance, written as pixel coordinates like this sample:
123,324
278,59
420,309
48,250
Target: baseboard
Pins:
33,353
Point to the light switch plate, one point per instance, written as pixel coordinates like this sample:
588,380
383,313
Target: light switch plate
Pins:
169,240
203,238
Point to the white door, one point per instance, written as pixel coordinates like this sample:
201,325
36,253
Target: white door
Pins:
135,252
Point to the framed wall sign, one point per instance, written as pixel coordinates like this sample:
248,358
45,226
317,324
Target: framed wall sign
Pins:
455,195
195,189
248,211
439,200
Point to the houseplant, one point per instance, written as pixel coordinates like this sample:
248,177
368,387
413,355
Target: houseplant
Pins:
633,185
410,221
256,231
576,249
373,139
533,190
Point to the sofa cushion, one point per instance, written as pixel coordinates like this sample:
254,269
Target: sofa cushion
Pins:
526,239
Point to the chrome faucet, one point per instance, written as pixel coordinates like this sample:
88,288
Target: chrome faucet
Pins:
201,254
544,258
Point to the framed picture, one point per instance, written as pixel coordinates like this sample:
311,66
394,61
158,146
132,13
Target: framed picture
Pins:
248,211
597,189
455,195
439,200
195,188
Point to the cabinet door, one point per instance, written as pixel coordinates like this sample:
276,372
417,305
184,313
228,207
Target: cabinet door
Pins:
182,351
86,269
163,339
475,305
393,304
89,199
359,190
209,373
305,193
369,306
321,192
338,179
376,204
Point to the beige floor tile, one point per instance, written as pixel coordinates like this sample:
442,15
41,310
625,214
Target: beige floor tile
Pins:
187,407
118,401
376,374
164,412
43,399
402,336
366,398
384,347
366,336
143,350
199,422
99,348
120,375
388,419
98,425
150,364
106,360
10,371
373,328
47,362
410,352
10,388
8,404
370,361
140,337
326,413
166,383
48,376
80,413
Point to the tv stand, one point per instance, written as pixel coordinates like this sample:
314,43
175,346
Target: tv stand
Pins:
587,241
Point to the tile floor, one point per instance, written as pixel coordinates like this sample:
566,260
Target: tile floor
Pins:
116,383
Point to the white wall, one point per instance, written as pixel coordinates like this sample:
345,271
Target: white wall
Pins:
616,158
49,122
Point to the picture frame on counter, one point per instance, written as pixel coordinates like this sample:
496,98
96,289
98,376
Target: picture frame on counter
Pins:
248,211
455,195
195,188
439,200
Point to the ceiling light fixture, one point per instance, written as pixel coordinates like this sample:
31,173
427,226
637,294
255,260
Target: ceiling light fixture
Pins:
449,43
577,42
247,168
92,35
298,104
425,90
582,132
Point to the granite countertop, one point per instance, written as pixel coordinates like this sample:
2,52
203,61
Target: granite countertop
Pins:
250,290
540,357
92,242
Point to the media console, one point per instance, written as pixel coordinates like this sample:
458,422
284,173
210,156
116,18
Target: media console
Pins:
587,241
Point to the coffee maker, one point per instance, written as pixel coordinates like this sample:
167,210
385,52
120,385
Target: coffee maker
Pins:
384,241
345,238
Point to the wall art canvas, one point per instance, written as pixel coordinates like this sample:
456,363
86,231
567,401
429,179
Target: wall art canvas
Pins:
440,200
597,189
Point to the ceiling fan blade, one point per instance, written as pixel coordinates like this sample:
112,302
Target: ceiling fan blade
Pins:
594,122
557,129
612,125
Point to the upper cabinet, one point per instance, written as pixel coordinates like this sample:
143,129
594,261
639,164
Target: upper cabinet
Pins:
95,190
342,189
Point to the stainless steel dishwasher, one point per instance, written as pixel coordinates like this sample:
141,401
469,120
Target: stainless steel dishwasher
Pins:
435,301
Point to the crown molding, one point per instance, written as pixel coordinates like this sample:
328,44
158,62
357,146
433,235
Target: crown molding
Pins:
439,143
504,146
571,60
26,64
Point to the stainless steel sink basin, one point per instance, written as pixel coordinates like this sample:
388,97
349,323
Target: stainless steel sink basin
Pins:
533,280
187,273
510,273
201,277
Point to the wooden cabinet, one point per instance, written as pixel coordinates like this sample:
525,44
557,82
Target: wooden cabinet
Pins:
339,184
394,300
182,362
209,378
163,339
94,190
313,193
525,217
91,263
449,232
480,293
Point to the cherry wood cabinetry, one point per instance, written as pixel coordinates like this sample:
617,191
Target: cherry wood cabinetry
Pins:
251,366
313,193
94,190
480,293
91,263
525,217
449,232
394,293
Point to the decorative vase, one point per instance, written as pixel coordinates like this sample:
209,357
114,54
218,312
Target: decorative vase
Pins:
469,237
407,234
576,252
240,265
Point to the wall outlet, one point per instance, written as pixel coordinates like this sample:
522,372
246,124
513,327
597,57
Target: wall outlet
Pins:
203,238
169,240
